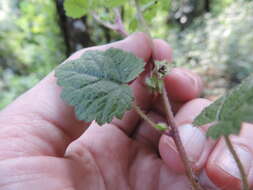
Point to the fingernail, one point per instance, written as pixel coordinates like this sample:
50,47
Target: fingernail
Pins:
206,182
187,76
193,140
226,162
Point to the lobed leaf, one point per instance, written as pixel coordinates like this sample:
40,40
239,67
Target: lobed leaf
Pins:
229,111
96,84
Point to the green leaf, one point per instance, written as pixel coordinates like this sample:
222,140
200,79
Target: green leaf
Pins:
151,12
154,83
96,84
144,2
229,111
133,25
76,8
151,82
210,113
148,5
161,126
223,128
114,3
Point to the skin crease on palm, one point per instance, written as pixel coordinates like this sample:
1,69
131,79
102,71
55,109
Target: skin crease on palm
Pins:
43,146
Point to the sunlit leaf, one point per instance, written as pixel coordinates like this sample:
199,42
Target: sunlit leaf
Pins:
76,8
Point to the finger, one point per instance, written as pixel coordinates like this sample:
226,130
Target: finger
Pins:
138,44
162,50
194,140
186,85
41,122
182,85
221,167
103,143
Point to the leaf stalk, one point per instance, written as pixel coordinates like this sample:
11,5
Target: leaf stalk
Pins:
144,116
141,18
245,185
118,26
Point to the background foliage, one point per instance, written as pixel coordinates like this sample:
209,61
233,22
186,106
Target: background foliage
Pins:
31,45
213,38
219,47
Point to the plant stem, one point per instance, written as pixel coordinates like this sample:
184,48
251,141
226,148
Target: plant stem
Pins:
171,121
118,26
144,116
170,117
245,185
103,23
118,22
142,21
141,18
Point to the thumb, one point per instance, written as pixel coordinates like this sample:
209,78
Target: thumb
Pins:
194,140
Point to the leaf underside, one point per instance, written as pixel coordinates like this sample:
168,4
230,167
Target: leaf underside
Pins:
228,112
96,84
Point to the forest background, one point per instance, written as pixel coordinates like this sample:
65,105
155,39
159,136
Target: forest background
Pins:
212,37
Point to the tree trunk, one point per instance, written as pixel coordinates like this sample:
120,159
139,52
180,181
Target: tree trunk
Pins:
75,31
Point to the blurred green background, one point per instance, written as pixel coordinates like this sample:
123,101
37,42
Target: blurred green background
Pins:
212,37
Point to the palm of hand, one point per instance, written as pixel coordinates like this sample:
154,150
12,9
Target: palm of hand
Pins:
105,161
43,147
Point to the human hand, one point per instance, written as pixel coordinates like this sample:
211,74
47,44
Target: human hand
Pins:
44,147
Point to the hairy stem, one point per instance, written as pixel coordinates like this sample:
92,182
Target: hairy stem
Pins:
170,117
144,116
143,23
118,22
103,23
245,185
175,135
147,119
118,26
141,18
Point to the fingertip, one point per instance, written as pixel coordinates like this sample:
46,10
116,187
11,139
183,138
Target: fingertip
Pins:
219,176
221,179
162,50
221,167
137,43
183,85
190,110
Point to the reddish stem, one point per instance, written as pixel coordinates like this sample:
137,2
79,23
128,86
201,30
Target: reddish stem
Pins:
175,135
118,26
